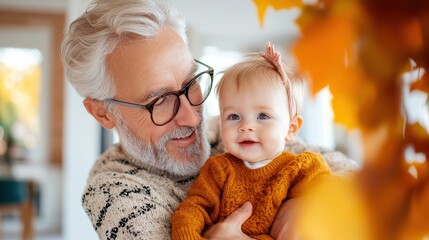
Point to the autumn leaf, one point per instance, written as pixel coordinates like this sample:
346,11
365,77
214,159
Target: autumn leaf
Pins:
262,6
346,111
324,52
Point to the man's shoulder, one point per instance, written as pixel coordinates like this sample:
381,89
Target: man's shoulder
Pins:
112,160
126,196
114,166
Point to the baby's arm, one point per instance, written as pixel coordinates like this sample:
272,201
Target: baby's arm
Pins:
201,206
312,170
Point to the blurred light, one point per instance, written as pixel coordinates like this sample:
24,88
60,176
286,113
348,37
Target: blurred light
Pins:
412,157
220,60
20,58
415,102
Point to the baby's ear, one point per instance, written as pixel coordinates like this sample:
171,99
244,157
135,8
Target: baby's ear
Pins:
294,127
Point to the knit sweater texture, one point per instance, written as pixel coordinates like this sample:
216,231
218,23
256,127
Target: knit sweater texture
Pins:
225,183
126,199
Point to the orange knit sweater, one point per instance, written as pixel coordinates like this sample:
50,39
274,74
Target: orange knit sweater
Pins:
225,183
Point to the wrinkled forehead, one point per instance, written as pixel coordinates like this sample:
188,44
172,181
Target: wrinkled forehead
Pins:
140,66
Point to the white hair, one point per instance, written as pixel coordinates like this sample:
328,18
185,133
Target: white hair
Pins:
95,34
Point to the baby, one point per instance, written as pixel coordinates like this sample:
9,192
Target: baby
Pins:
258,113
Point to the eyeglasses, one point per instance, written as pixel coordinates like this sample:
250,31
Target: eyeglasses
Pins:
165,107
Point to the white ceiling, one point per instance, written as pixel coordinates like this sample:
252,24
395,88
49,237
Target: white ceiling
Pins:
235,23
227,24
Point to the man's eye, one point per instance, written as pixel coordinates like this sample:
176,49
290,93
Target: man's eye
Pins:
233,117
159,101
263,116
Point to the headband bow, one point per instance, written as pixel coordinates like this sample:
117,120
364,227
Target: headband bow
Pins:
274,57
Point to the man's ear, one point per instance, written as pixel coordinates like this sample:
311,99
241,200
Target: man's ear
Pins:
98,111
294,127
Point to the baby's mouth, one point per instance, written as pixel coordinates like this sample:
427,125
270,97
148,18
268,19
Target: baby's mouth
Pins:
247,143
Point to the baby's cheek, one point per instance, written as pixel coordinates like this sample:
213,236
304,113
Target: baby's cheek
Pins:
227,139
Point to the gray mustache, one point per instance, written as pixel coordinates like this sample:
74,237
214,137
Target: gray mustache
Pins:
181,132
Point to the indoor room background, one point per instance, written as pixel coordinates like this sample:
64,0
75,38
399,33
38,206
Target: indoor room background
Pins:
55,141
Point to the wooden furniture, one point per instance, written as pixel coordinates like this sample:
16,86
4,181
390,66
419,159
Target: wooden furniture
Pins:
16,195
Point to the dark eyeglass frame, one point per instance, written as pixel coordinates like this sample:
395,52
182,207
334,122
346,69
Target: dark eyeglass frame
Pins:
149,107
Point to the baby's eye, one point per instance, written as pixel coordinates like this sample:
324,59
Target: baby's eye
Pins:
263,116
233,117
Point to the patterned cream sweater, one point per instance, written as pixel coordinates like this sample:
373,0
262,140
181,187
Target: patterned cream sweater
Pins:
126,199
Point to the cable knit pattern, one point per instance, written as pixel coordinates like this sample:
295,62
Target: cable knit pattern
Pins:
225,183
126,199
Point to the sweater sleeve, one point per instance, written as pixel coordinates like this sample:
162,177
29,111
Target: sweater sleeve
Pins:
121,208
202,205
312,169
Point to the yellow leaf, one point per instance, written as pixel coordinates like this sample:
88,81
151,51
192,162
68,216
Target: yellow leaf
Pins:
346,111
262,6
322,52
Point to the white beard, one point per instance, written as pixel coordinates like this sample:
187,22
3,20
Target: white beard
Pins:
156,155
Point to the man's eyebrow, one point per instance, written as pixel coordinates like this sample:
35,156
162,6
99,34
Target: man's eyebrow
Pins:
154,94
159,92
191,73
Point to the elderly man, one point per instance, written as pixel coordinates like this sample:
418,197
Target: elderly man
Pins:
130,61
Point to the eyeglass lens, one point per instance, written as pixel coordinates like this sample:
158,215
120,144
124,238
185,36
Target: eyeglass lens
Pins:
167,107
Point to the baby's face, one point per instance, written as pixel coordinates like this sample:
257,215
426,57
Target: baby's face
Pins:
254,122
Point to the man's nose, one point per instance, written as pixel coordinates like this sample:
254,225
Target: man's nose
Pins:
187,115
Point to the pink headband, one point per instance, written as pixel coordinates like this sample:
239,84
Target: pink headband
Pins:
274,58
